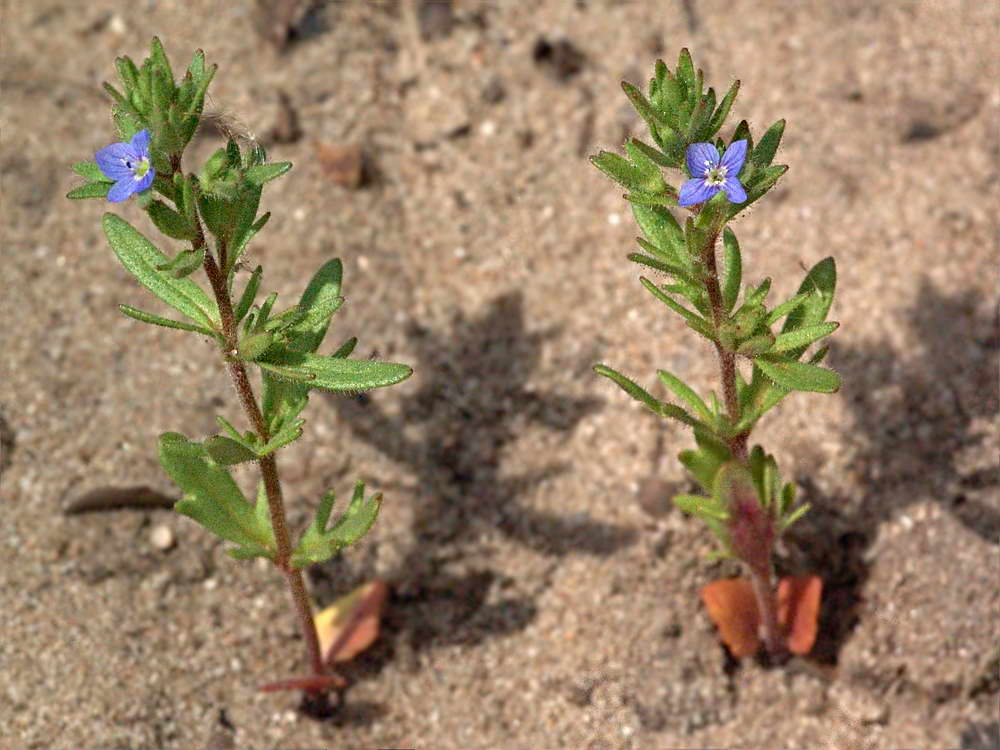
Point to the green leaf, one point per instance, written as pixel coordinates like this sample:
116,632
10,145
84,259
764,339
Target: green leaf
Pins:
686,394
346,348
799,376
756,345
700,506
787,498
654,118
819,284
641,395
254,346
742,133
170,222
686,76
629,175
763,394
784,308
91,172
794,516
141,259
693,319
146,317
758,294
159,58
318,544
228,452
659,265
90,190
185,263
334,373
748,318
320,300
803,336
654,154
722,112
289,433
733,269
240,245
249,294
267,172
762,181
763,153
663,231
632,388
212,498
127,72
704,462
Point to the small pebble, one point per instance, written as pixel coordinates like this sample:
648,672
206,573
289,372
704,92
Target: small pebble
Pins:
162,537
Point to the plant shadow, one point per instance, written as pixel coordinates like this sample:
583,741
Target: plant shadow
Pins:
910,432
452,435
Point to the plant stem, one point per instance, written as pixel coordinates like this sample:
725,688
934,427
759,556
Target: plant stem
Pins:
727,359
268,464
767,604
761,578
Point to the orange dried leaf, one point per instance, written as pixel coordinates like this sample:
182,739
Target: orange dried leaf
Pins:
733,609
351,624
798,611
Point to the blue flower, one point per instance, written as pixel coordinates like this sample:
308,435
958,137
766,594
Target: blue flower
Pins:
128,165
709,175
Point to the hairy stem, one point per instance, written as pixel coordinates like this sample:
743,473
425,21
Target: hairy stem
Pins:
761,578
268,464
727,359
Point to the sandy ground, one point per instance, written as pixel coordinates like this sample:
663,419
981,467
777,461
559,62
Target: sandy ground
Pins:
535,603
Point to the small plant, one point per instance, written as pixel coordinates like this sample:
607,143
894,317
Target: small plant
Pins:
213,216
745,504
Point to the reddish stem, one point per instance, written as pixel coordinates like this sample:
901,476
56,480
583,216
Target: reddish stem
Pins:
761,578
268,464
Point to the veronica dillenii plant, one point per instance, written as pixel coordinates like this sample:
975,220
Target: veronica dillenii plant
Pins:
743,500
213,216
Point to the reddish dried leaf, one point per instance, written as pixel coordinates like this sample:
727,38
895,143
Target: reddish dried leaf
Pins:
798,611
351,624
312,683
733,609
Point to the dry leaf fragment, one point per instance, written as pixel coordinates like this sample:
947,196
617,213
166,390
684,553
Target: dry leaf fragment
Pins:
733,608
351,624
798,611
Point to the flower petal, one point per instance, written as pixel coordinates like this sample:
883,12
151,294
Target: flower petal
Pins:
734,190
140,143
734,157
696,191
122,189
111,161
701,157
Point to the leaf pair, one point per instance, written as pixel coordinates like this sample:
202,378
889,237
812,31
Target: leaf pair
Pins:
733,608
776,374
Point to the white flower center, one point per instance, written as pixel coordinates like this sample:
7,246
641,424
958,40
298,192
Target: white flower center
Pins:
716,175
139,170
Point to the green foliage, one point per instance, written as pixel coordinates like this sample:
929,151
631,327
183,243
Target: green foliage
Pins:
318,544
140,258
213,213
212,499
706,294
